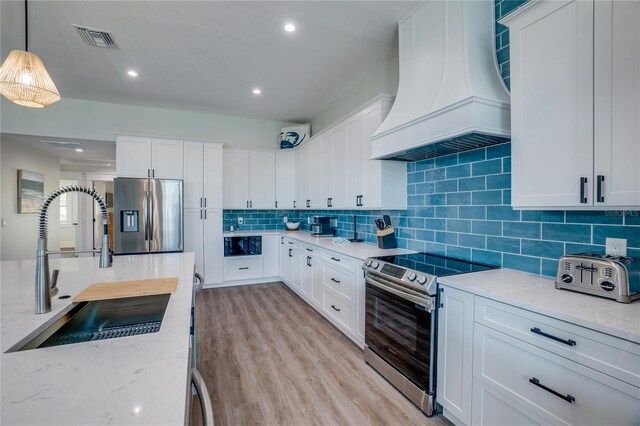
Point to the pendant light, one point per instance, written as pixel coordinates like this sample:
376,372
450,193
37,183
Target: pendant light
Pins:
23,78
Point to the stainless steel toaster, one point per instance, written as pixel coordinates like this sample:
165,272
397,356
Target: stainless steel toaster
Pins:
613,277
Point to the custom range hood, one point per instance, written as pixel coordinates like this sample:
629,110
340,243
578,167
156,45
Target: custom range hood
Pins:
450,96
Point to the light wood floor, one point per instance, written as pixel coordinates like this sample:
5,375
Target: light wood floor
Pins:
269,358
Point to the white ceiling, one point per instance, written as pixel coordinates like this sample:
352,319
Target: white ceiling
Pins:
207,56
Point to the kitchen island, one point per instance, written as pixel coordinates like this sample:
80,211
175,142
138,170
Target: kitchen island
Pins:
129,380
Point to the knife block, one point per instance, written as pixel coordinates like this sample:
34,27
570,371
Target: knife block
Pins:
387,239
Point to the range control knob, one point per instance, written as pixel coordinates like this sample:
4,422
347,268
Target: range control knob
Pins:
607,285
375,264
566,278
411,276
368,262
422,279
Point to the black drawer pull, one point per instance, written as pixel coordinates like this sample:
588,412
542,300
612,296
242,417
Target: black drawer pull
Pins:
336,309
335,281
243,268
569,342
290,242
309,249
567,397
337,260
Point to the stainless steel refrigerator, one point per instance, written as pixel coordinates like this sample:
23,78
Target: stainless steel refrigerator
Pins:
147,216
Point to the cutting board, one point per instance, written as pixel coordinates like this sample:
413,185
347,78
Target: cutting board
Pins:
122,289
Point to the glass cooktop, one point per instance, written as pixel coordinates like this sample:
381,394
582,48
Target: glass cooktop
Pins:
435,264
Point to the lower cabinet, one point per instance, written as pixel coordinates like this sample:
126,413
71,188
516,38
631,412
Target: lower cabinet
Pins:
500,364
203,236
243,268
271,255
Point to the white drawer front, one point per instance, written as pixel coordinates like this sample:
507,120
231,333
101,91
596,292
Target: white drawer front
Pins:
312,250
338,309
339,260
243,268
491,408
610,355
508,365
339,279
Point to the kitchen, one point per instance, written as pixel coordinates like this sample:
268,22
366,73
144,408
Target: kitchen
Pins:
483,194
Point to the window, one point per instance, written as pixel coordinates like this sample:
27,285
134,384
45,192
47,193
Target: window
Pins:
67,204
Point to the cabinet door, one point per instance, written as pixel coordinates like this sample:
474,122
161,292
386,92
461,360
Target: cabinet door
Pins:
285,178
491,408
213,246
133,157
307,274
166,159
455,349
194,236
193,175
361,303
296,261
212,176
262,180
372,169
317,283
617,102
315,175
339,168
270,255
326,171
303,173
287,274
235,180
284,253
355,161
552,106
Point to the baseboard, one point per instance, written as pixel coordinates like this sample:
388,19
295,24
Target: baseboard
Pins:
265,280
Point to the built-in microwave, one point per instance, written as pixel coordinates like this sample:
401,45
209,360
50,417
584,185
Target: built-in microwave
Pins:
243,246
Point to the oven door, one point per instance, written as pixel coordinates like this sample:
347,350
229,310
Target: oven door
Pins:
399,328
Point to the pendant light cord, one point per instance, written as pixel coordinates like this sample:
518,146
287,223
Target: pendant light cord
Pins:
26,27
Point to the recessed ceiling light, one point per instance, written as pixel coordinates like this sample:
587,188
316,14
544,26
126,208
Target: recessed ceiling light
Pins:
79,149
132,73
289,28
257,91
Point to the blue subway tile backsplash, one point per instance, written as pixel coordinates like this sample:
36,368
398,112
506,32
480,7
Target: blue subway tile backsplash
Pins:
487,231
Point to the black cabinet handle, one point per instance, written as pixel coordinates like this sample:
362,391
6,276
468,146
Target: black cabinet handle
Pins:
568,342
583,196
600,196
251,203
567,397
309,249
290,242
281,240
290,253
205,202
205,214
294,204
276,204
337,260
336,309
153,172
247,203
244,268
308,260
200,202
308,203
335,281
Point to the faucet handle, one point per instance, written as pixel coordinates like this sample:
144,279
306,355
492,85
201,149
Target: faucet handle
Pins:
54,282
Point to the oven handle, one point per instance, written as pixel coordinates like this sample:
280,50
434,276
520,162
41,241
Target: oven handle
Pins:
425,303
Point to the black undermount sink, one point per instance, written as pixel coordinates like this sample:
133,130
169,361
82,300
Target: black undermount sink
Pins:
100,320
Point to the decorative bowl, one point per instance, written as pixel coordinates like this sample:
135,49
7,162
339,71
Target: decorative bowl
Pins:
292,225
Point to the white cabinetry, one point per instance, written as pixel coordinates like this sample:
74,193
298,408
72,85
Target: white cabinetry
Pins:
249,179
455,348
271,255
575,104
500,364
303,173
203,236
141,157
315,175
286,179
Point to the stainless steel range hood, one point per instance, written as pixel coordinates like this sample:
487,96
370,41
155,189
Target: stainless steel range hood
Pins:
450,96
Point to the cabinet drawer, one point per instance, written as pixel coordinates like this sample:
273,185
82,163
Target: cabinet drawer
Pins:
610,355
338,308
491,408
339,279
311,250
339,260
583,396
243,268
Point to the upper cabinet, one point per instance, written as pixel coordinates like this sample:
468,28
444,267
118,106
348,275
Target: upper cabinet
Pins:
286,174
575,104
202,175
140,157
249,179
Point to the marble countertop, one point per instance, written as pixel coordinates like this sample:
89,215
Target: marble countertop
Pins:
130,380
538,294
357,250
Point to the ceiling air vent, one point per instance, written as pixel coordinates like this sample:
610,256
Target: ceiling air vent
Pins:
64,145
95,37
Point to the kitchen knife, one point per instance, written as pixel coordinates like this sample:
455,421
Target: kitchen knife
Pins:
387,221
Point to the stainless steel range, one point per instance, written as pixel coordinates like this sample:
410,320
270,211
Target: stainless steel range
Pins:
400,322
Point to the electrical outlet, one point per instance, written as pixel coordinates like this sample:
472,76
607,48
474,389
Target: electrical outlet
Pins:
616,246
285,219
4,223
240,221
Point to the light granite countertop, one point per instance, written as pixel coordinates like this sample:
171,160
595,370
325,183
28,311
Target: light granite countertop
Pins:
357,250
130,380
538,294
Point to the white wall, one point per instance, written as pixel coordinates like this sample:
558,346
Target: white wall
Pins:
79,119
383,79
18,238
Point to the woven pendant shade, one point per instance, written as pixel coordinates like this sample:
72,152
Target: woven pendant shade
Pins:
25,81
